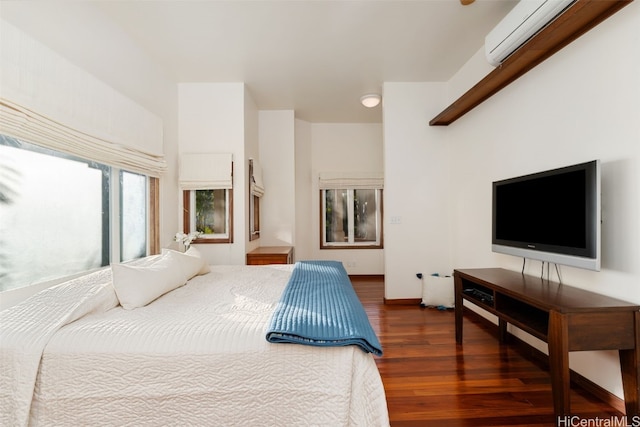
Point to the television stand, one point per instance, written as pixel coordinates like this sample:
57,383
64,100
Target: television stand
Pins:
566,318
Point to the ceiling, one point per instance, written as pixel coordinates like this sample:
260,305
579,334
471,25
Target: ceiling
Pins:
316,57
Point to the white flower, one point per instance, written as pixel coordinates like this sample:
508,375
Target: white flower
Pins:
186,239
193,236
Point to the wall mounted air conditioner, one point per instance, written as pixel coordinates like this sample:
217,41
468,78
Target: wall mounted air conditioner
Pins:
523,22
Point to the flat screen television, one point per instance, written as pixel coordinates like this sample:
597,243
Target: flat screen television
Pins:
551,216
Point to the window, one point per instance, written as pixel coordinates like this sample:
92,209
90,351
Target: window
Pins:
207,183
256,190
254,217
57,211
351,210
209,212
351,218
133,215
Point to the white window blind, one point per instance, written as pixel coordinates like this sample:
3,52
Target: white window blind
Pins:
206,171
22,123
351,180
48,101
257,185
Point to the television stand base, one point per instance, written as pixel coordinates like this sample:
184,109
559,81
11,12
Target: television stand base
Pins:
566,318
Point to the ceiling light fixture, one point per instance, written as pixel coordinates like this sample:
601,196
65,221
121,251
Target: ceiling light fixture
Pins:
370,100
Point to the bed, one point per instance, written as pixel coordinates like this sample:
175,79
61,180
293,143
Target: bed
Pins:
197,355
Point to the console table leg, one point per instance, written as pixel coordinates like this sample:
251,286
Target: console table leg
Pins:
459,307
629,364
558,338
502,331
458,325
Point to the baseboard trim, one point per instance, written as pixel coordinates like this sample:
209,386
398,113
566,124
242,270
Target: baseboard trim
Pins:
531,352
376,277
404,301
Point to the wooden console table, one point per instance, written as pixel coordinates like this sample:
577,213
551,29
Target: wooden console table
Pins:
565,317
270,255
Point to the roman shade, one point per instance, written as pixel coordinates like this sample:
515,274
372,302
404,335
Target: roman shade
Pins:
29,126
354,180
257,186
50,102
206,171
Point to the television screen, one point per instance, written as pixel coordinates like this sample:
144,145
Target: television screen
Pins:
550,216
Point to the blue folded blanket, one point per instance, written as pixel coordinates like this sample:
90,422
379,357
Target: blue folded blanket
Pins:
319,307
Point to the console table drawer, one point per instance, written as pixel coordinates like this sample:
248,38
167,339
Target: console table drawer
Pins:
601,331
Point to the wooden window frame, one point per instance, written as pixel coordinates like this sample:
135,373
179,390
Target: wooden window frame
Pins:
354,245
186,219
254,203
254,209
154,216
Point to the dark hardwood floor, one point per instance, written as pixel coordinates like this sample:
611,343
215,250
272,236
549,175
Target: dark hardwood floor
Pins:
431,381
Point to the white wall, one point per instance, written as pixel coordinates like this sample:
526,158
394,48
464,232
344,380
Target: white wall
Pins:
211,119
304,248
339,147
417,188
277,158
579,105
251,151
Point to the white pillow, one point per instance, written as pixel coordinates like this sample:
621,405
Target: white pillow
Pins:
190,260
146,261
192,251
191,264
438,291
137,286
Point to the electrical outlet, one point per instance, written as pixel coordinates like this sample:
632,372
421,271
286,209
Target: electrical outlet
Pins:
396,220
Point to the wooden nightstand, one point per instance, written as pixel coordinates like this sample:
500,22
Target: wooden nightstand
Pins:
270,255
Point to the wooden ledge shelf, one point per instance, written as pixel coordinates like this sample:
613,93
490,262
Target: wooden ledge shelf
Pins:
577,20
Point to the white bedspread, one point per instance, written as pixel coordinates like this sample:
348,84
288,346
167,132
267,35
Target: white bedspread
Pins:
196,356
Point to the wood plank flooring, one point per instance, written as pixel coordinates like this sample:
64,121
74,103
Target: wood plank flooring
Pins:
431,381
